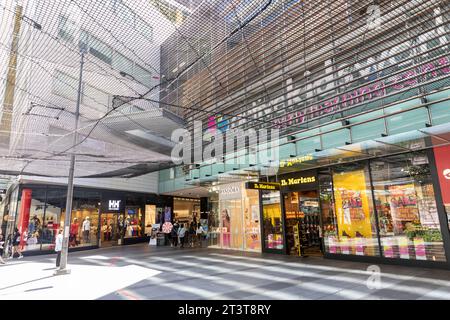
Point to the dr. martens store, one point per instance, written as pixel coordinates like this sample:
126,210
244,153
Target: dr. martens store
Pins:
100,218
390,209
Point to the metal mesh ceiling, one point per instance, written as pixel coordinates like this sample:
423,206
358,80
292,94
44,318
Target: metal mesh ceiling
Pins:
154,66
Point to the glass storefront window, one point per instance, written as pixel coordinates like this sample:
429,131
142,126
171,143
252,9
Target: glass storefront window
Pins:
239,218
133,222
407,212
30,220
272,220
84,226
251,220
231,224
302,222
150,218
186,210
352,230
213,221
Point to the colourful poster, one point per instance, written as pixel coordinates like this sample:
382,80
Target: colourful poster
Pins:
332,245
388,249
352,204
403,202
403,247
419,246
359,242
442,156
345,249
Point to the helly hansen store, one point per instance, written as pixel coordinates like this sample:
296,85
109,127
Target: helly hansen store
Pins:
100,218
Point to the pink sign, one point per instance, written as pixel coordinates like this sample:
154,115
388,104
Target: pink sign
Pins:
332,245
403,248
419,246
360,247
365,93
388,249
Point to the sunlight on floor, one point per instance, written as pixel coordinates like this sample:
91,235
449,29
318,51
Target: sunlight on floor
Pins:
84,282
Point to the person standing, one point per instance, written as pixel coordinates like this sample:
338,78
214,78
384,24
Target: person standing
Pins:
181,234
199,234
16,244
58,247
2,242
192,234
174,234
319,233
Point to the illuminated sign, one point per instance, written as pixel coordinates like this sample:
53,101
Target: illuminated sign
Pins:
293,181
262,186
298,160
302,180
114,205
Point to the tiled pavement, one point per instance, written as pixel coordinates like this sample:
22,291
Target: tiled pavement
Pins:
143,272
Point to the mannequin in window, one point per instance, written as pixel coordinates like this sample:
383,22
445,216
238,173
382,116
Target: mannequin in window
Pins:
226,231
104,230
74,227
121,227
86,228
128,227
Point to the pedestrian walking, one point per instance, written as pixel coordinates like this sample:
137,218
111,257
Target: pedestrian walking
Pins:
2,243
16,244
192,234
174,234
199,234
181,234
58,247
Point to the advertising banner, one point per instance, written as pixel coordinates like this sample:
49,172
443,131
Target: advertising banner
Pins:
352,204
442,156
403,247
24,215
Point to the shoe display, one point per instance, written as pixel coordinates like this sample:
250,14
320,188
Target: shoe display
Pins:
345,234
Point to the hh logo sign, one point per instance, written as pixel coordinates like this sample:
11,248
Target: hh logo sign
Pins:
114,205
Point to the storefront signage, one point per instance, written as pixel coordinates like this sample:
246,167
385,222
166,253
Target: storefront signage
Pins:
303,180
362,88
230,191
262,186
114,205
442,157
294,181
294,161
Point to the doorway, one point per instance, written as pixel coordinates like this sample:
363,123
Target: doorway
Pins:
109,229
302,212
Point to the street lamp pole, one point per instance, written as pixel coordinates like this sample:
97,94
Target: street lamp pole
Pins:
68,217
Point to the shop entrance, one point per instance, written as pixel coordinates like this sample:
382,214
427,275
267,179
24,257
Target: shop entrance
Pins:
109,229
302,223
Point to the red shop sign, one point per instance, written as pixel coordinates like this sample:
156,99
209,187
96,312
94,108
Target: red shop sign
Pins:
442,155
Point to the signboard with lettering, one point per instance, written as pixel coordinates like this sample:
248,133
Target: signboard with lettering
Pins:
303,180
230,191
113,204
262,186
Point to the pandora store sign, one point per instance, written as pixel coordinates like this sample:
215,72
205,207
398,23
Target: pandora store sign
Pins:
230,191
